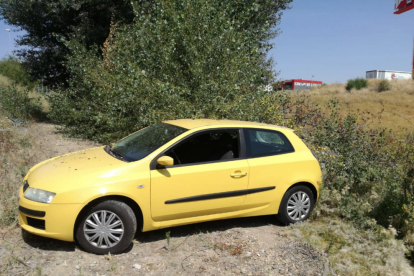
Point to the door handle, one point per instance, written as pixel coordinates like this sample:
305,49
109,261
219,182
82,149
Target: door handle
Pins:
239,174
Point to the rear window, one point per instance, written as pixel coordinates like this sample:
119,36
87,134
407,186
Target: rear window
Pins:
260,142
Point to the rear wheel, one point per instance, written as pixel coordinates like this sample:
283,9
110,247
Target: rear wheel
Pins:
296,206
108,227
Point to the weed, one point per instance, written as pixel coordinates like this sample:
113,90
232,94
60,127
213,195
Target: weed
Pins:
25,143
168,237
357,84
108,257
112,262
384,85
234,250
112,266
335,242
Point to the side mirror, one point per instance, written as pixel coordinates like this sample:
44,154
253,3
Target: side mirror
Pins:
165,161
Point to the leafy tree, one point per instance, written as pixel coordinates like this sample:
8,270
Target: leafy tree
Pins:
190,58
10,67
45,22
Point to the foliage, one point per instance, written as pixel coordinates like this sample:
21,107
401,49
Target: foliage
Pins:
43,54
17,103
357,84
368,173
384,85
47,22
184,59
10,67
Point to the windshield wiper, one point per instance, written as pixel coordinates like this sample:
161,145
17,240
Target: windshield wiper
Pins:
113,152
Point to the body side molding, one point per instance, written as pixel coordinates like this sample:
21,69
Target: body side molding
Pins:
220,195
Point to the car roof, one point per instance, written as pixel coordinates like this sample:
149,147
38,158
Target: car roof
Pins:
196,123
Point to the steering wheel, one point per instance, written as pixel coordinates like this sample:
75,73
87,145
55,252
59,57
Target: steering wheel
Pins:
176,156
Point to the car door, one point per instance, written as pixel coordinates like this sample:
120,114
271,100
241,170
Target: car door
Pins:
208,177
270,156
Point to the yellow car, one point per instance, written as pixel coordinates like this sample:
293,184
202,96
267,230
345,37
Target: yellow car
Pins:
169,174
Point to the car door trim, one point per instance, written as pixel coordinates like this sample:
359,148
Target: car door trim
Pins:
220,195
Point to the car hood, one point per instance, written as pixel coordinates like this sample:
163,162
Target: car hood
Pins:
75,169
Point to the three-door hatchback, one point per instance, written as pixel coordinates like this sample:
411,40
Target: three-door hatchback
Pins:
169,174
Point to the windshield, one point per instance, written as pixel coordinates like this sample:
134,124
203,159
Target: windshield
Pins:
145,141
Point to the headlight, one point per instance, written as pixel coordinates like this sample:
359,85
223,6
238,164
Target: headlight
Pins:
39,195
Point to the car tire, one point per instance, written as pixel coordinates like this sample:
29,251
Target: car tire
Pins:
296,205
107,227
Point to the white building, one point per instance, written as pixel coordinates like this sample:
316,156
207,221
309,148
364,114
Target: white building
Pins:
388,75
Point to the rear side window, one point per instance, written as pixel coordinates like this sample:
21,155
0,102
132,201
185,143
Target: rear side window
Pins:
260,142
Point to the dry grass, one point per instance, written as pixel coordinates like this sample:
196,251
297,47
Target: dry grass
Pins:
352,251
393,109
16,157
21,147
42,100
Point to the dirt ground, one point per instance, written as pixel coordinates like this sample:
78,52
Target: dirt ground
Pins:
247,246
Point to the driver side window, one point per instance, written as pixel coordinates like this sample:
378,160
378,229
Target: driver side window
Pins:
207,147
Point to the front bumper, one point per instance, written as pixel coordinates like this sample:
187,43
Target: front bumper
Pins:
59,219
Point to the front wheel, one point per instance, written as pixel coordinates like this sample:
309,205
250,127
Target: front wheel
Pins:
108,227
296,206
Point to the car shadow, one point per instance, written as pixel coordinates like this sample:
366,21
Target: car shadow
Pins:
204,227
48,244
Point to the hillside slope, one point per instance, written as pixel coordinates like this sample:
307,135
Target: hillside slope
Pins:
393,109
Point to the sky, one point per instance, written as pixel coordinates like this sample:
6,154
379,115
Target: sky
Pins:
6,44
342,39
331,40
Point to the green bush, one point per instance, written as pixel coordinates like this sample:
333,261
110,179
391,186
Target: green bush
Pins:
184,59
384,85
357,84
368,174
17,104
11,68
